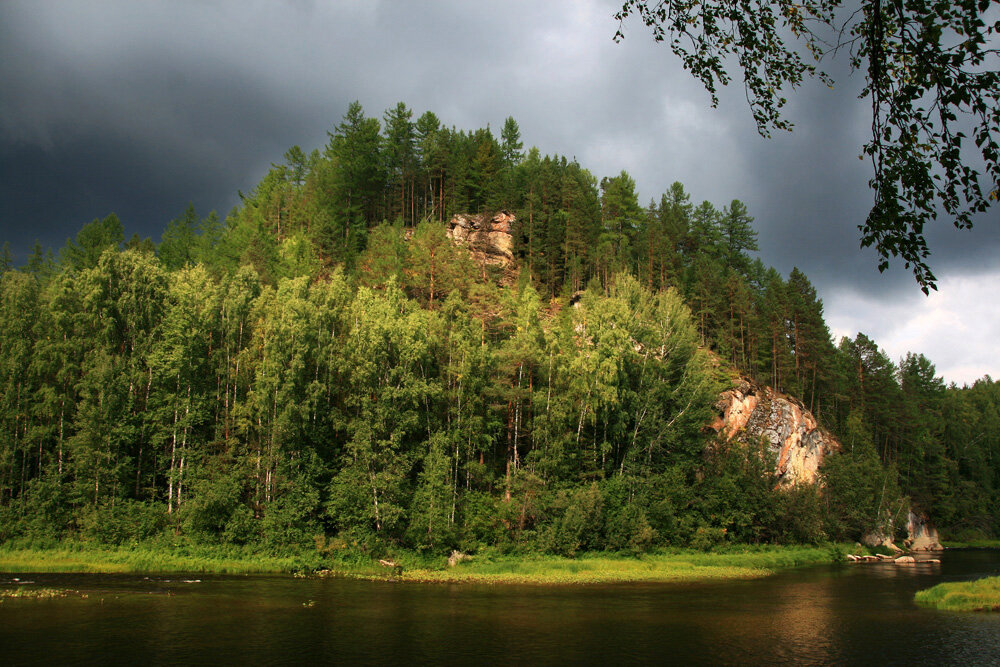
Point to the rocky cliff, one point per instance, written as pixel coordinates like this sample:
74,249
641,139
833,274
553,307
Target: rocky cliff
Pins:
487,237
749,412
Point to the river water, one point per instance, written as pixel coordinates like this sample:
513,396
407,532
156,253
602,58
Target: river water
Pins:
827,615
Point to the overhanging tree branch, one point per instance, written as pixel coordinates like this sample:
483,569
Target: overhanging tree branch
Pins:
931,74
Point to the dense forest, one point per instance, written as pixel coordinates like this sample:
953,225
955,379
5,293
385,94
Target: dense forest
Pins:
325,366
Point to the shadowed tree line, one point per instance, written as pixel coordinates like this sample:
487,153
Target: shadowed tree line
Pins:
305,368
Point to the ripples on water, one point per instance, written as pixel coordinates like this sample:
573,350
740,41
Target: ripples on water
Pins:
850,614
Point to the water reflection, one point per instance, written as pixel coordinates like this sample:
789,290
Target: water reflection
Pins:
891,569
850,614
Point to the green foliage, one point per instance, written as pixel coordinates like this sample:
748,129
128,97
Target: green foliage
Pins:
91,242
582,524
214,508
178,246
41,513
385,258
351,186
862,496
481,521
305,374
737,495
801,515
291,518
930,75
6,258
626,526
511,144
707,537
432,525
125,521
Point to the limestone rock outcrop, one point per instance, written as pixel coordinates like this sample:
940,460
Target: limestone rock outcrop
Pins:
749,412
921,533
487,237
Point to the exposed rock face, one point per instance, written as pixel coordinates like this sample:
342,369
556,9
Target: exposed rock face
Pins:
750,412
488,238
879,538
922,535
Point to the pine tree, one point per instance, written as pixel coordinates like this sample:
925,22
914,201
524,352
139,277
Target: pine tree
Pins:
510,143
738,235
705,235
621,215
178,246
430,143
91,241
810,339
355,181
6,258
399,156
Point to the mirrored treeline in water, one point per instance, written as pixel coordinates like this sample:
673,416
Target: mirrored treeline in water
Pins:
845,614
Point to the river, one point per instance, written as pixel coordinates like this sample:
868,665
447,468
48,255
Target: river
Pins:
826,615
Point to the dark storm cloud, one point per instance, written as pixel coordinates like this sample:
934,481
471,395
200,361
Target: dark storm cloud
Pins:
157,105
139,108
119,123
201,151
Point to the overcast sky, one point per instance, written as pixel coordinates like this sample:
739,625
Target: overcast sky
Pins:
138,108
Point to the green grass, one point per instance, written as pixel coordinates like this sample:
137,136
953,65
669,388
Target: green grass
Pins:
972,544
86,558
739,562
979,595
668,566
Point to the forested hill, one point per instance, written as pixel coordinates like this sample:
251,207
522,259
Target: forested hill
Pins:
325,362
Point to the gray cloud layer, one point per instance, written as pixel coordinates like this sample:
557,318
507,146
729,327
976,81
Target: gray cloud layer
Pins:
139,107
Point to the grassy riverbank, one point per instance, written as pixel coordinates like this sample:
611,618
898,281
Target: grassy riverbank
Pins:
86,558
738,562
674,566
972,544
979,595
